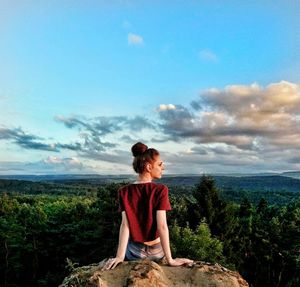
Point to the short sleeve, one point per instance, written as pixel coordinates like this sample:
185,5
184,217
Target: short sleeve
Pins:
120,201
163,202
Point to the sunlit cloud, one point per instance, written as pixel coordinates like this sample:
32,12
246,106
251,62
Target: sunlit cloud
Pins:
239,115
49,165
254,123
134,39
164,107
63,163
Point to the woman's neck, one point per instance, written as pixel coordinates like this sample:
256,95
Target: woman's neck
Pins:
144,178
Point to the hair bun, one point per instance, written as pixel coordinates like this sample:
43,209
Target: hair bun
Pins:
138,149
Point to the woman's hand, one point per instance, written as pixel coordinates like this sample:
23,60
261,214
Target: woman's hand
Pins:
112,263
179,261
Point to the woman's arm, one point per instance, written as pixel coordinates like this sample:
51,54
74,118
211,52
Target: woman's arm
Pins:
123,241
163,231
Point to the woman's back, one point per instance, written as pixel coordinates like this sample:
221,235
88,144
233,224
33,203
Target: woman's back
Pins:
140,202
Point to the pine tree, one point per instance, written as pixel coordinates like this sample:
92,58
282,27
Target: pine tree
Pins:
207,199
219,215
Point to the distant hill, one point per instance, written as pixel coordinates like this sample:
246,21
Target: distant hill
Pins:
41,187
66,177
250,183
294,174
263,183
276,189
289,181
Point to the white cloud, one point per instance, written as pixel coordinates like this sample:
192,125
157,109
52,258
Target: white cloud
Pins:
164,107
49,165
208,55
134,39
67,164
254,122
52,160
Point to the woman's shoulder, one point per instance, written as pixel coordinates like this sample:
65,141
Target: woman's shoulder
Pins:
124,188
160,186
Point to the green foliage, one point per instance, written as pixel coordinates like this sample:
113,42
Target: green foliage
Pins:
197,244
219,215
39,232
43,224
179,213
278,197
207,197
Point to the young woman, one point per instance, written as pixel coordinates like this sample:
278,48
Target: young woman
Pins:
144,231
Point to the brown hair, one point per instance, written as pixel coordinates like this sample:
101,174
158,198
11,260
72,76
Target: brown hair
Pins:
142,155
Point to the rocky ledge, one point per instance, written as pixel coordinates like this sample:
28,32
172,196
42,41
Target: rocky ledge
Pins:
145,273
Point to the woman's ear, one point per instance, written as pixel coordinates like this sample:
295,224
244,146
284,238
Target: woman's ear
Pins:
148,167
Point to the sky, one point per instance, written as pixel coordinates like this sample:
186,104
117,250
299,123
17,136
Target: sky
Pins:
213,85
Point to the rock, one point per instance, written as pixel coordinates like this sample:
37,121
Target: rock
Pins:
145,273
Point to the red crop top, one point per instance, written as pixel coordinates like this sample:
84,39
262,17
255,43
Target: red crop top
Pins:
140,202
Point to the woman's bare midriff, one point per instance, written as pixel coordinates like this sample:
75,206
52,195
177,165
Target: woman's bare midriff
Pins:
153,242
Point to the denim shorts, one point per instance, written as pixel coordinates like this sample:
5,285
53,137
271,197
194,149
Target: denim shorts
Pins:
136,251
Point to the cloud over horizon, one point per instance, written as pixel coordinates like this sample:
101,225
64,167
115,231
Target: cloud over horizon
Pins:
239,126
239,115
254,122
49,165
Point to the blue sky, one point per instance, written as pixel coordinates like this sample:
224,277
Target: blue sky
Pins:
213,85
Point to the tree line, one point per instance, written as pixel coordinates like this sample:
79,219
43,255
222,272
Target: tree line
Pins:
40,234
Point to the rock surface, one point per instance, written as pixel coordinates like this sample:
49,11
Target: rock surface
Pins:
145,273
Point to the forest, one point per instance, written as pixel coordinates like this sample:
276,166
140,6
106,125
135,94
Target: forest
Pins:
46,229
